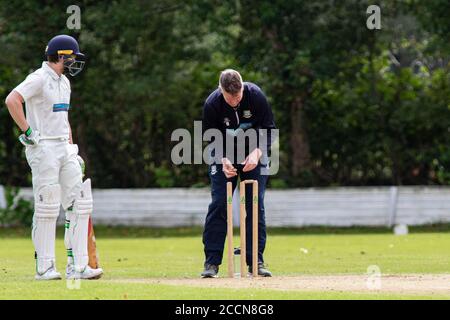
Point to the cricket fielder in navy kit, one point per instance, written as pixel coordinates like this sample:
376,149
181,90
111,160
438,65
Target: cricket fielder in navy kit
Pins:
235,105
54,160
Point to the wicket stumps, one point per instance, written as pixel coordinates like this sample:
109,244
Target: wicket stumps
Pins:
243,215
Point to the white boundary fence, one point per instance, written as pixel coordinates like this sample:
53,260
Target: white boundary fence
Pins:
362,206
2,197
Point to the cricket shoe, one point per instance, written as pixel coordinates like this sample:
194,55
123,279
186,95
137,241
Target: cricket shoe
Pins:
262,270
70,271
50,274
86,273
210,271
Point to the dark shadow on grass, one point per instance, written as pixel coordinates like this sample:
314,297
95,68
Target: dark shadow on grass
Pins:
148,232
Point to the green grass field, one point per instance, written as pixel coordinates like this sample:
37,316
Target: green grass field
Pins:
136,260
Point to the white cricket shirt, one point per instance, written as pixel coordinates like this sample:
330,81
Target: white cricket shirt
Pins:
47,101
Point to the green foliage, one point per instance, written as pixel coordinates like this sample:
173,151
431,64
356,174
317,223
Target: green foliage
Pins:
18,211
164,177
397,137
277,183
354,106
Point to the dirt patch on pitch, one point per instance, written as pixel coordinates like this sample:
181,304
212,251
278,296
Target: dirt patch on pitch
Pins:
400,284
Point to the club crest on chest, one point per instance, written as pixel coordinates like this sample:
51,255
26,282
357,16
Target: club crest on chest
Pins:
247,114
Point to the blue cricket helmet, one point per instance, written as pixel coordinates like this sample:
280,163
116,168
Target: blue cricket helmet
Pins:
67,46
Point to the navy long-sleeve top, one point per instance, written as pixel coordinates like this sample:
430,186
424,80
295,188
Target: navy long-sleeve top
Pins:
253,112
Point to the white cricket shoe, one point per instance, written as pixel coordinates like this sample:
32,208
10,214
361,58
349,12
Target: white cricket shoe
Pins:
70,271
86,273
50,274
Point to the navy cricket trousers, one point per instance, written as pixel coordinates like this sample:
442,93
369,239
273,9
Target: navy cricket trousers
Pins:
215,228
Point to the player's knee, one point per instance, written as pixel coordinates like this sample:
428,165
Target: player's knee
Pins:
47,201
83,202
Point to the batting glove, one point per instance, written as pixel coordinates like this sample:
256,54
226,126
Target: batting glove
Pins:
30,137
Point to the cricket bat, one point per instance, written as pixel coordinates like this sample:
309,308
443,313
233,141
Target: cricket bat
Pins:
92,247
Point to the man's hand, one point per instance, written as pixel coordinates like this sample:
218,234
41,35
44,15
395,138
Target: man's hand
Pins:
228,169
252,160
30,137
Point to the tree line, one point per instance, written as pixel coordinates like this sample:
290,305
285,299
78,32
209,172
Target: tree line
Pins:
354,106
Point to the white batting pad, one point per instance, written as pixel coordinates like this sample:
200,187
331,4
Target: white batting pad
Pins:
79,225
46,210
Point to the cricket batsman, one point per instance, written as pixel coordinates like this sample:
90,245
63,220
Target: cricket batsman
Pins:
53,159
235,106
